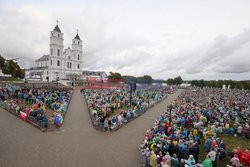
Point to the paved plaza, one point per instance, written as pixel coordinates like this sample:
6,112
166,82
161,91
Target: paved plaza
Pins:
77,143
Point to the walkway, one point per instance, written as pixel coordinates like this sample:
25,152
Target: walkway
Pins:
77,143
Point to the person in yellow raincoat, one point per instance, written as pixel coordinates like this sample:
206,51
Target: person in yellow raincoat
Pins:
153,160
195,132
152,146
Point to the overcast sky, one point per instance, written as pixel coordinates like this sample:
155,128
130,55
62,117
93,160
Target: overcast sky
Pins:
197,39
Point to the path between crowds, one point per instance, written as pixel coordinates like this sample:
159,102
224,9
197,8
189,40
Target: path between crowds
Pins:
77,144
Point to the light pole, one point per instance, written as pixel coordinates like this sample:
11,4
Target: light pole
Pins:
47,80
170,117
132,87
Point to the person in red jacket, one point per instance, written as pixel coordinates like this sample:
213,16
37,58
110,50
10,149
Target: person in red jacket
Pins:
246,158
240,154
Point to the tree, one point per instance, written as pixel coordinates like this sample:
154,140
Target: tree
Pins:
2,62
178,80
129,78
11,67
170,81
146,79
114,76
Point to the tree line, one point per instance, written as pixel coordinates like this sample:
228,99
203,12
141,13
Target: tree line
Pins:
11,67
219,84
145,79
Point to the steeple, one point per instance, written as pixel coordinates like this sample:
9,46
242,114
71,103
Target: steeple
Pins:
77,36
56,27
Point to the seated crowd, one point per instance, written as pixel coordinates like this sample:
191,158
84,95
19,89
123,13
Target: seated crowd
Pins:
175,139
110,108
38,105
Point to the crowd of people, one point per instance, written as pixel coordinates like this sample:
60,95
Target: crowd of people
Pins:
39,106
199,114
111,108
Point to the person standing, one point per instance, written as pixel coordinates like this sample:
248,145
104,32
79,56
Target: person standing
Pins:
212,155
153,159
235,161
175,161
207,162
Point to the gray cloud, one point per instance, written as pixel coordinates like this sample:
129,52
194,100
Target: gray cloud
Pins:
223,55
113,44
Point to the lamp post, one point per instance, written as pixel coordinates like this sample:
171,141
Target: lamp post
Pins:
170,117
132,87
47,80
130,96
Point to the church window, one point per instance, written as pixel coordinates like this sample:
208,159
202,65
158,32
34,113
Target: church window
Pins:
51,51
51,62
58,63
78,66
78,42
78,57
58,52
58,35
70,65
69,57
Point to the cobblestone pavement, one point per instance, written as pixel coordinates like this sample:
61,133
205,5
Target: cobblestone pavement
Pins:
77,143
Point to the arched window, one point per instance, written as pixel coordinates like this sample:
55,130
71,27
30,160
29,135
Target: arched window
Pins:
78,66
58,52
58,35
78,57
58,62
51,51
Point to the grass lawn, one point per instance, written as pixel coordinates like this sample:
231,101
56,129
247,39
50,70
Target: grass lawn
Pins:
118,111
231,143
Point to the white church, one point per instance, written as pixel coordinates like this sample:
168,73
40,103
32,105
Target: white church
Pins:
60,64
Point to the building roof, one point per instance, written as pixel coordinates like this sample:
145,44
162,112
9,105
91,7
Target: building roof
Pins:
57,29
43,58
38,68
93,73
77,37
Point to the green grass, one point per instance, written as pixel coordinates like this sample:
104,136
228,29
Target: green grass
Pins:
118,111
231,143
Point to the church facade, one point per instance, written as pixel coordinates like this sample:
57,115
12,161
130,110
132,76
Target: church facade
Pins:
60,63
